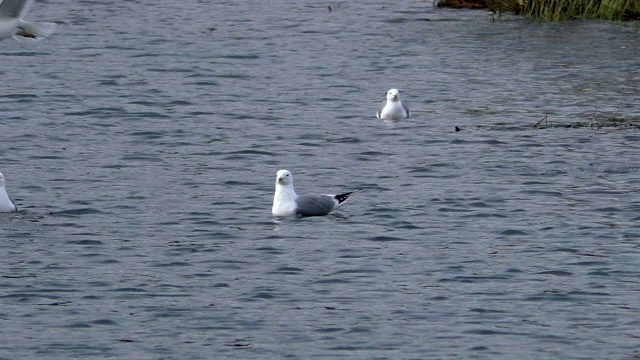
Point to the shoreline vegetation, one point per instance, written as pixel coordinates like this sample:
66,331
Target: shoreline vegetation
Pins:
554,10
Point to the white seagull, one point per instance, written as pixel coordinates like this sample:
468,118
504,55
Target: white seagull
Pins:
5,203
287,203
12,25
393,108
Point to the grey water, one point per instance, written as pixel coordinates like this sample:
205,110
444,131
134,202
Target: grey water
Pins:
141,141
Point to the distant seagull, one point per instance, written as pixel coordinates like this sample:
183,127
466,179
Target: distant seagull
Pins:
393,108
5,203
12,25
287,203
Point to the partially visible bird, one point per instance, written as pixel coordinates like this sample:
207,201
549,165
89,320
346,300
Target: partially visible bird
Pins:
5,203
12,25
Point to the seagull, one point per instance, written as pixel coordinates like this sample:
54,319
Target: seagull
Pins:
5,203
12,25
287,203
393,108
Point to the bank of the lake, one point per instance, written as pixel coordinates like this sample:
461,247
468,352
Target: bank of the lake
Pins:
555,10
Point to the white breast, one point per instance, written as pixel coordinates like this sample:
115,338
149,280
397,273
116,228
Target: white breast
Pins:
393,110
5,204
284,201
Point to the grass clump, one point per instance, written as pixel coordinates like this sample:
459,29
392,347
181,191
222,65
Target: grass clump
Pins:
555,10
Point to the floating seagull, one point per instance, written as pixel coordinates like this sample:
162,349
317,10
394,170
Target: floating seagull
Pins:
393,108
5,203
12,25
287,203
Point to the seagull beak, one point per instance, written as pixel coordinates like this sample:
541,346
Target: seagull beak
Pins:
280,179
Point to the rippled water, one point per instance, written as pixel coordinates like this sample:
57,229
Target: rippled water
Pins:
142,139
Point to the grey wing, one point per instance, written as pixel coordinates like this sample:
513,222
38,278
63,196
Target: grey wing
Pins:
314,205
406,109
15,206
14,8
382,105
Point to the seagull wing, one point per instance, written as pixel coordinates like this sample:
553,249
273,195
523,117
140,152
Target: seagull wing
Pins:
15,9
379,113
406,109
315,205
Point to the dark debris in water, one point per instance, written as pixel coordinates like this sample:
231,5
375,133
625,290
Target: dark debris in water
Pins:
546,124
57,303
239,343
76,212
594,122
468,4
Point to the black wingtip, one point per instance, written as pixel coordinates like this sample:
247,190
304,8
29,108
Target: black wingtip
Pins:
343,197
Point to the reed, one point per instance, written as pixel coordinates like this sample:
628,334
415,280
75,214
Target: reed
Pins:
556,10
619,10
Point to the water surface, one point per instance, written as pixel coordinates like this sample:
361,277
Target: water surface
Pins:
142,139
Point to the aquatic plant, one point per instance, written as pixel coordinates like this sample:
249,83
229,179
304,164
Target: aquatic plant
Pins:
613,121
555,10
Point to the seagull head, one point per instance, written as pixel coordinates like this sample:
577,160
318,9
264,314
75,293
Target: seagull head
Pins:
284,178
393,95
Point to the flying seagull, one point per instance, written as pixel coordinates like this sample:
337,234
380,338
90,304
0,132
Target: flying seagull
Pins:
12,25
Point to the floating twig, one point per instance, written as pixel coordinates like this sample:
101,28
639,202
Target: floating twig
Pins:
595,117
543,119
612,119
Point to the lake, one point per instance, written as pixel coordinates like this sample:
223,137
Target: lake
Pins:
141,142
